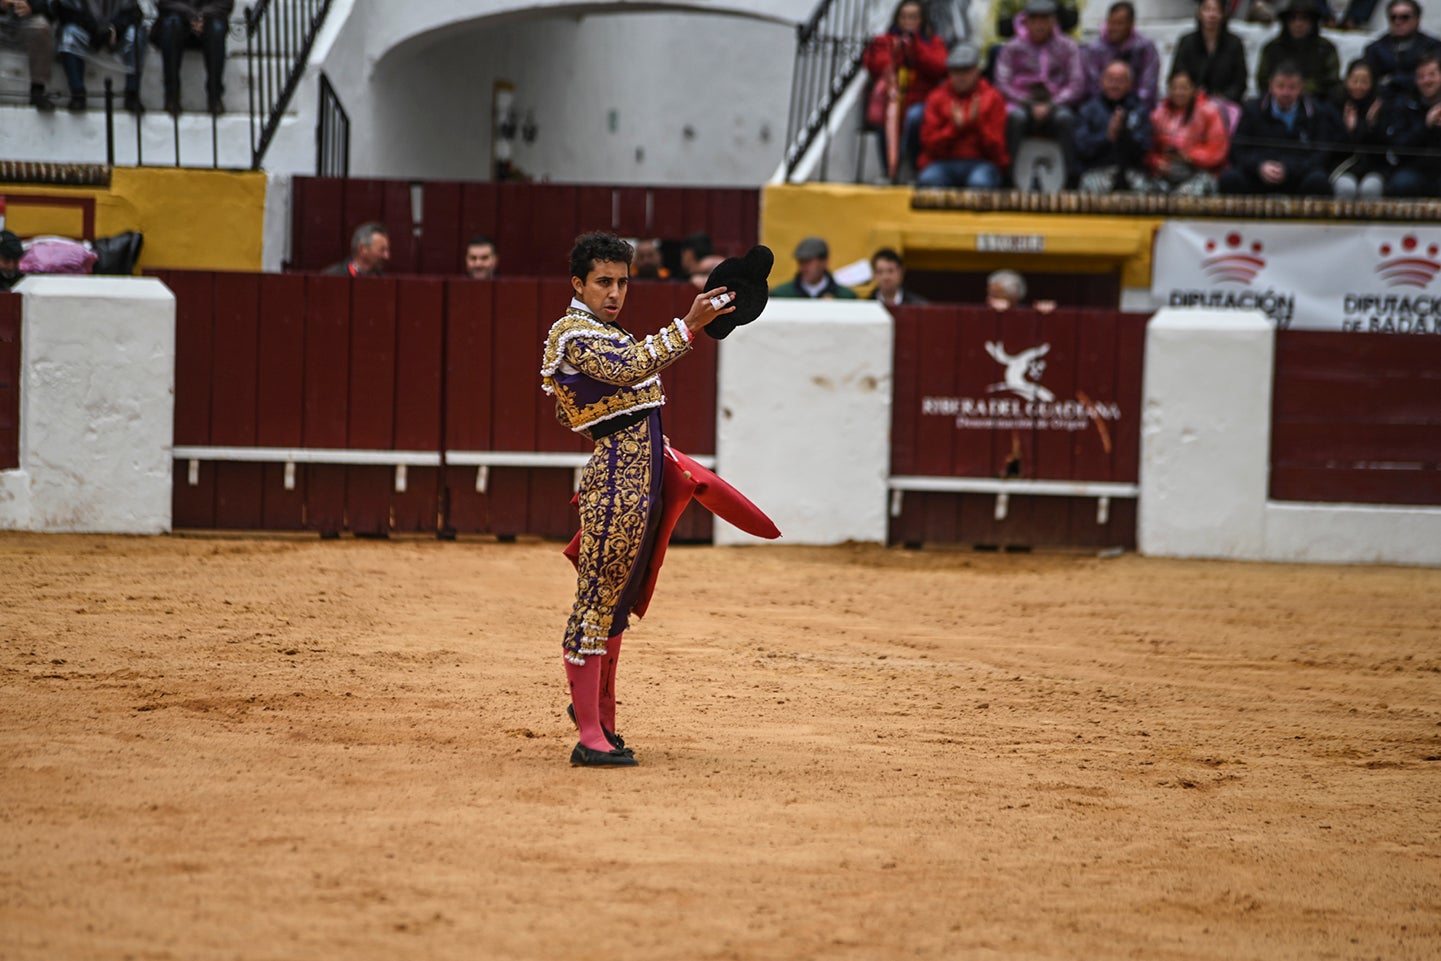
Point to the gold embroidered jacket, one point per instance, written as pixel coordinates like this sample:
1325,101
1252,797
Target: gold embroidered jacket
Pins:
597,371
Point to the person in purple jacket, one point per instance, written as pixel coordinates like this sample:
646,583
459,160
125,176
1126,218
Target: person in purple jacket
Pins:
1119,40
1040,74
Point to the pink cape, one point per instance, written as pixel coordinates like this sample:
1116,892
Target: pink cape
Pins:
684,479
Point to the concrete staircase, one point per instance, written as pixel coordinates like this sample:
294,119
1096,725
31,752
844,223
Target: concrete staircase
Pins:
80,137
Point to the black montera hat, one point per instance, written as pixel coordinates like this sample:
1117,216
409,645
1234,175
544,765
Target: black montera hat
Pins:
745,277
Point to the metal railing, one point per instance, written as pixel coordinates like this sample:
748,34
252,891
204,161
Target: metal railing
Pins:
828,55
278,37
332,134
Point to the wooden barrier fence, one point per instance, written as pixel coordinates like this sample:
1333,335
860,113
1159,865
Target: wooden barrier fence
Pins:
1356,418
1016,429
533,225
305,402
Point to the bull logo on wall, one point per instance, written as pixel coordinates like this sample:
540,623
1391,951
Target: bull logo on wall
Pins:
1023,371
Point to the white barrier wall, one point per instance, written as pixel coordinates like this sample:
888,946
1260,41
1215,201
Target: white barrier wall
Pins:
804,419
1205,459
97,403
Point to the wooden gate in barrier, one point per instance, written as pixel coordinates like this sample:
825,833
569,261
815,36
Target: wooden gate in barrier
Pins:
1016,429
305,402
1357,418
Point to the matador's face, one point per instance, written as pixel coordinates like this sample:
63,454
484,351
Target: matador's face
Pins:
603,290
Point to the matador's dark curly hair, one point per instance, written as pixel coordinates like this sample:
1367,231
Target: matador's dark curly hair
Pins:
598,247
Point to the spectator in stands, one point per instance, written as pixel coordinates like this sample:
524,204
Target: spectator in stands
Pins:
200,24
1113,135
23,24
1416,133
100,26
1278,146
889,271
1212,56
1011,17
963,135
11,250
1039,72
813,276
698,258
481,260
1299,42
1393,56
1360,172
1190,140
648,263
1119,40
369,253
911,59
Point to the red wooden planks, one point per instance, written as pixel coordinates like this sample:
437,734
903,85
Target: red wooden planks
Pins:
1356,418
235,369
442,244
521,321
632,209
327,394
370,411
319,236
280,400
194,323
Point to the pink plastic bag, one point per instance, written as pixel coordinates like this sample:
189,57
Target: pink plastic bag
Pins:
55,255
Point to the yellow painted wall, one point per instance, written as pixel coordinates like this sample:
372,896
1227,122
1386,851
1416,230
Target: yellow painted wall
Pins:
858,220
196,219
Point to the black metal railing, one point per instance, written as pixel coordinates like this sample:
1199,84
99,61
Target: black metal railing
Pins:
828,54
332,134
278,37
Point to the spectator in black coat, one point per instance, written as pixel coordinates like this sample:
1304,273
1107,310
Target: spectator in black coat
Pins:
1113,135
1393,56
1278,146
100,26
200,25
1212,55
1415,131
23,24
1361,170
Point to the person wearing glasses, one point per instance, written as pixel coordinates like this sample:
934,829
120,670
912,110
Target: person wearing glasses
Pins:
1393,56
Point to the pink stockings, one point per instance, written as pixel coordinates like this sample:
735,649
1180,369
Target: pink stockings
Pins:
592,694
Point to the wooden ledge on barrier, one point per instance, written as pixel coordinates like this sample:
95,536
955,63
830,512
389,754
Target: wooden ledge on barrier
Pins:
482,460
1003,488
1169,205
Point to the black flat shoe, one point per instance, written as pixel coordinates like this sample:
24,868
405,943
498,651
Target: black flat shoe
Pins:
583,756
616,741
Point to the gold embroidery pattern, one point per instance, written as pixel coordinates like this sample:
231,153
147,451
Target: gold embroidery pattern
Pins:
615,505
608,355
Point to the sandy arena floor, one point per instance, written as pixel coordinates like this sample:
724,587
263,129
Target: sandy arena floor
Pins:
216,748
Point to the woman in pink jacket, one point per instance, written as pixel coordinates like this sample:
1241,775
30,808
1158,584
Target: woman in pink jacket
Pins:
1190,142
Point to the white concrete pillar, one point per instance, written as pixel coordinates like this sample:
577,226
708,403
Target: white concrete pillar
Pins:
804,419
97,399
1205,434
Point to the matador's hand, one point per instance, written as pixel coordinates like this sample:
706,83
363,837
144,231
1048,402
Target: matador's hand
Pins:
703,311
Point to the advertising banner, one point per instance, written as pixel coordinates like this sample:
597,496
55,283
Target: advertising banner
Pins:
1365,277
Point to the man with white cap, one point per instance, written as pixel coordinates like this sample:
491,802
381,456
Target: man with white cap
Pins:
813,276
1041,75
963,132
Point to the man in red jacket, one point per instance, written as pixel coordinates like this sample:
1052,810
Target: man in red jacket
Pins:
963,134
